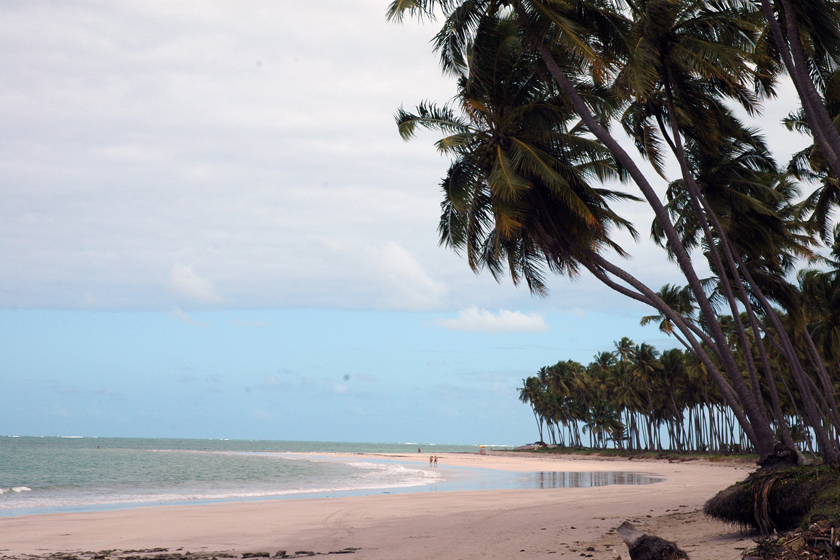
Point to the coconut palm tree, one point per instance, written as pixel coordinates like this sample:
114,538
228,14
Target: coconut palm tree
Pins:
518,194
681,301
506,208
810,164
532,393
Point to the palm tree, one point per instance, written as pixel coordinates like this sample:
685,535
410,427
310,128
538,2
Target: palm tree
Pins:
518,193
669,85
807,39
504,204
644,367
532,393
810,164
681,301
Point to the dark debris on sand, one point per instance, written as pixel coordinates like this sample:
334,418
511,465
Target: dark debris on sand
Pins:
648,547
164,554
820,541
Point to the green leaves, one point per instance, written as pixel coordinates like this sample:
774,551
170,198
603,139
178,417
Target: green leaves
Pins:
397,9
517,197
503,180
430,117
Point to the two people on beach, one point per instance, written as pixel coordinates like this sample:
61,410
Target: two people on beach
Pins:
433,459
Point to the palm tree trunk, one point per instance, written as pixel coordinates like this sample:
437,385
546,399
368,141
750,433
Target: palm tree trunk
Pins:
817,362
765,362
764,438
785,347
825,134
700,209
730,396
635,428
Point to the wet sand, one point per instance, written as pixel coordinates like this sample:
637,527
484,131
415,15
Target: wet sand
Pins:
545,523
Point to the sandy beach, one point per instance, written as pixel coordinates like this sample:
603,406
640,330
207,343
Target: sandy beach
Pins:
551,523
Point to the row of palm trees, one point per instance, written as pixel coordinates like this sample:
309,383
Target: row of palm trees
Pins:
543,86
638,399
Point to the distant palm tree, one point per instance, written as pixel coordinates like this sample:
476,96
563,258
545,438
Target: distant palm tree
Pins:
680,300
532,393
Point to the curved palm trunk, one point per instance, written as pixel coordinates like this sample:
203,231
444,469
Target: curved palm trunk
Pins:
651,298
817,362
828,447
696,196
765,364
793,57
762,435
702,210
539,421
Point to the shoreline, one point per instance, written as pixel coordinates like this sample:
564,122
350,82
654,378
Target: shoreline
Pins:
550,523
459,474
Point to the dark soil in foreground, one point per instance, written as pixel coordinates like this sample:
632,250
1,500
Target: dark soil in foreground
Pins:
820,541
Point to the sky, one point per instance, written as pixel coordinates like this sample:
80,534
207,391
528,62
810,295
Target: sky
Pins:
210,228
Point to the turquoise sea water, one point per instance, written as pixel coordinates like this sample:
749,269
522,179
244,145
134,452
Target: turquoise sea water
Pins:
47,474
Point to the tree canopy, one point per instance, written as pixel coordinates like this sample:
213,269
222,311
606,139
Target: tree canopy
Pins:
543,86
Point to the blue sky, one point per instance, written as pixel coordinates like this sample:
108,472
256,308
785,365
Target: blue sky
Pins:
282,374
208,221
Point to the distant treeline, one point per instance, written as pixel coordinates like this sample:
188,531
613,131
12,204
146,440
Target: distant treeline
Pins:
637,398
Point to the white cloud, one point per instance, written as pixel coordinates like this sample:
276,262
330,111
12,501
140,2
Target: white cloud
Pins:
407,284
187,283
270,382
145,134
481,320
184,318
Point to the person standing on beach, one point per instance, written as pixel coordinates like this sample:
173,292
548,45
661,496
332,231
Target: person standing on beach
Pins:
431,457
435,460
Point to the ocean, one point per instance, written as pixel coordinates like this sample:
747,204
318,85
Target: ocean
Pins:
57,474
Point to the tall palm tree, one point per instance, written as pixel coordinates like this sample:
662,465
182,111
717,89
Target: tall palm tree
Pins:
671,86
532,393
509,212
644,366
811,165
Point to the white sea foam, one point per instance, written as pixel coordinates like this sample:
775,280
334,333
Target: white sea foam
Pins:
209,495
352,476
387,475
131,475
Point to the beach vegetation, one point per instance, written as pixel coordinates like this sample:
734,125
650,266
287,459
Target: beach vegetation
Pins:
780,500
536,176
637,399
